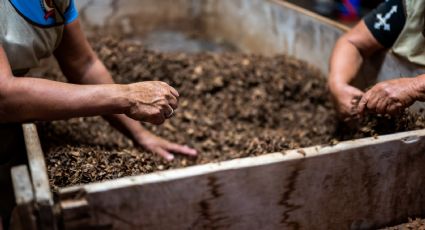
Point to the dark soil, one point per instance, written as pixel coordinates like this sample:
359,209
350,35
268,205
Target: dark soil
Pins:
413,224
232,105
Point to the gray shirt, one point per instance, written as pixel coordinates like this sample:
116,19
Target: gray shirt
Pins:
26,42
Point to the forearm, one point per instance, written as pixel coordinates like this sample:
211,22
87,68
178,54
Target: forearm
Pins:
419,82
94,73
97,73
345,63
127,126
26,99
348,55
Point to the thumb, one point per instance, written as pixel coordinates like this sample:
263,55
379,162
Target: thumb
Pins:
362,104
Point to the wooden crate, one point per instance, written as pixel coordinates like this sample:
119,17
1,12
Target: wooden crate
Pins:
359,184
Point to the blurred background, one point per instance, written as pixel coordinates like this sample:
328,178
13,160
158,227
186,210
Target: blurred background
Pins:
345,11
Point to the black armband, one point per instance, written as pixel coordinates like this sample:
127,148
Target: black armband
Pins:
387,21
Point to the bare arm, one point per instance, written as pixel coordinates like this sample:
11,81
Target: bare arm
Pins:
390,96
26,99
81,65
346,60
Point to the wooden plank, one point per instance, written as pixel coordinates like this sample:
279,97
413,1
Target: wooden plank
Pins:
273,27
43,195
22,185
365,183
23,217
37,165
135,17
355,184
75,214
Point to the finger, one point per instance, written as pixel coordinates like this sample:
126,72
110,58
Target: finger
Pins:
150,115
173,101
363,103
356,99
157,118
375,98
393,109
171,89
174,92
372,102
164,153
164,84
381,107
167,111
182,149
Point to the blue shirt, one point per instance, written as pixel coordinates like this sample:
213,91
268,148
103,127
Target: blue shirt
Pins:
45,13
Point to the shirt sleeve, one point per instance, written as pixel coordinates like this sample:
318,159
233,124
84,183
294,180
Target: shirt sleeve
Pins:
71,13
387,21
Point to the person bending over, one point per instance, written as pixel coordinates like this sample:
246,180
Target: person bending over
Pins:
396,25
34,29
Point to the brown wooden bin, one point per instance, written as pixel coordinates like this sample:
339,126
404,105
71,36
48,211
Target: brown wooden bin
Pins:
358,184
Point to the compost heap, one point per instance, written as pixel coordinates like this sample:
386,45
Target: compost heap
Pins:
232,105
413,224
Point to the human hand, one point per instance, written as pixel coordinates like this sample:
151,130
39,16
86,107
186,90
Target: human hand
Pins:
163,147
346,99
152,101
390,97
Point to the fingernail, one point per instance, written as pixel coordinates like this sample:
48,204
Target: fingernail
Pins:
170,157
190,151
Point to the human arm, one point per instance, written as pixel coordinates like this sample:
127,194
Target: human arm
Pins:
392,96
27,99
377,31
387,97
346,60
80,65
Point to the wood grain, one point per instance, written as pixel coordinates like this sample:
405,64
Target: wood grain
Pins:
23,216
359,184
42,193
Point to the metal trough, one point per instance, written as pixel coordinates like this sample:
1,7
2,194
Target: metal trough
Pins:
359,184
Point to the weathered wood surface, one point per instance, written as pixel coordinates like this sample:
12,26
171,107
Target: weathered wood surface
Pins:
37,164
135,17
259,26
42,194
358,184
273,27
22,185
23,217
75,211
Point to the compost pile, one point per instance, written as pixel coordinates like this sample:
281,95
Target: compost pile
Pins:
232,105
413,224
